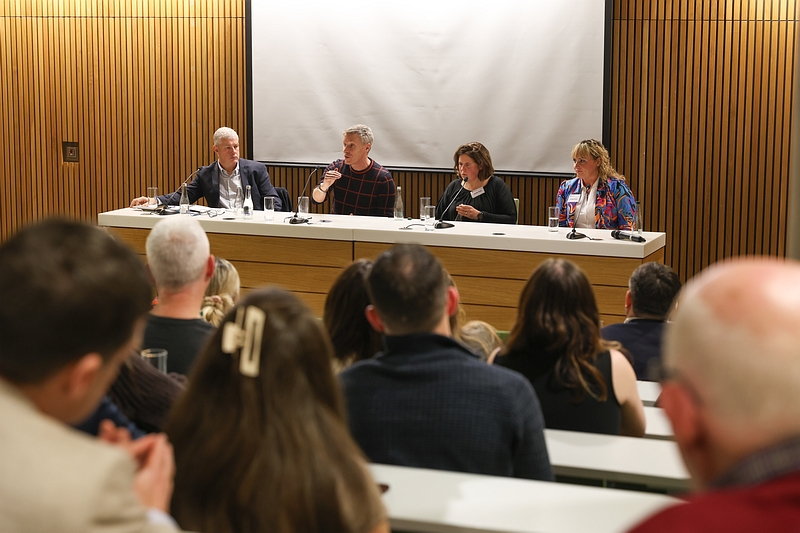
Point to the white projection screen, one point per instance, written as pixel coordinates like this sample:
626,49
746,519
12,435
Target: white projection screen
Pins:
524,77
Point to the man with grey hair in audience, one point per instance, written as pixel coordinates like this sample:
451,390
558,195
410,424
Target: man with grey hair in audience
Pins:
181,265
360,185
731,389
652,289
222,181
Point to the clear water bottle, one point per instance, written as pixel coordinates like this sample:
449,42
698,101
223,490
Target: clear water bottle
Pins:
184,200
638,218
248,204
398,205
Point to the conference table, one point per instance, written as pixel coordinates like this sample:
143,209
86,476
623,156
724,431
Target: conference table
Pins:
449,502
489,263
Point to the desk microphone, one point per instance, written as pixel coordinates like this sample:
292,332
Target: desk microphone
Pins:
574,235
625,236
295,218
190,176
445,225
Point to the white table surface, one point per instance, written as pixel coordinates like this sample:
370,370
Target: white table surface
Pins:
386,230
439,501
658,425
649,391
652,462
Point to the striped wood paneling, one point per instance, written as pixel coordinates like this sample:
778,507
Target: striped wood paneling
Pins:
141,86
701,98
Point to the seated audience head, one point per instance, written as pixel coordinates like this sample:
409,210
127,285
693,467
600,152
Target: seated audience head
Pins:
480,337
410,292
476,154
732,365
591,158
558,313
652,289
222,292
80,298
351,334
259,436
178,254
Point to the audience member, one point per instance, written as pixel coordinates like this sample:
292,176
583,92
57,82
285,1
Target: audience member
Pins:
652,289
582,382
731,389
181,265
481,337
79,304
145,395
352,337
222,292
427,401
360,185
260,439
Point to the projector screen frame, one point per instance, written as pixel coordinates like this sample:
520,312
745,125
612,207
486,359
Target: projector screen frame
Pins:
606,110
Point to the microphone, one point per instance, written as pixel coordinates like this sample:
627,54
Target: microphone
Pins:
190,176
574,235
445,225
295,219
625,236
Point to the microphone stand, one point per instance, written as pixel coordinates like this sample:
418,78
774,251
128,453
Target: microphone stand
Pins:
574,235
445,225
296,219
160,209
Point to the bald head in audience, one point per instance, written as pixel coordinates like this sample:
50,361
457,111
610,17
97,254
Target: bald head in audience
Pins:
732,392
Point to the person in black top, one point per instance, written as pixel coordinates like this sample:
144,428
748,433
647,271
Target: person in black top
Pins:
582,382
652,289
480,195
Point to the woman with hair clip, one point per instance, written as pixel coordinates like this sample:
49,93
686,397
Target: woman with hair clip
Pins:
583,382
221,293
597,197
259,436
477,195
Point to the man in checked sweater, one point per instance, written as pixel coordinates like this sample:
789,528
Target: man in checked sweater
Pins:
427,401
360,185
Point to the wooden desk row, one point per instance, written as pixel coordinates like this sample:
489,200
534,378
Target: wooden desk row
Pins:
490,263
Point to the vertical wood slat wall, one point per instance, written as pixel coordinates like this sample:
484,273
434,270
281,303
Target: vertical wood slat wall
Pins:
700,113
141,86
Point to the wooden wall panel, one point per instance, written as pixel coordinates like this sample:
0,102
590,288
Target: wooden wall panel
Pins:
141,86
700,113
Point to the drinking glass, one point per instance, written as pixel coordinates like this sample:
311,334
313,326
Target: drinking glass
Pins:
156,357
269,208
302,205
552,219
152,196
423,202
430,217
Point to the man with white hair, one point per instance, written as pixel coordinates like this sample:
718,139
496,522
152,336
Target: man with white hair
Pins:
360,185
181,265
222,181
732,392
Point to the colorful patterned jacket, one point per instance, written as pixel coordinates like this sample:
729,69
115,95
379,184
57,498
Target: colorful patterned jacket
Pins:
615,207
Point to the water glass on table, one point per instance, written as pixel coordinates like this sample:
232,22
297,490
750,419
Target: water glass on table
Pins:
552,219
423,202
156,357
269,208
302,205
430,217
152,196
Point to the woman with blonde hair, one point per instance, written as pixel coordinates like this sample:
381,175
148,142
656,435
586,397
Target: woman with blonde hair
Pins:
222,292
583,382
597,197
259,436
